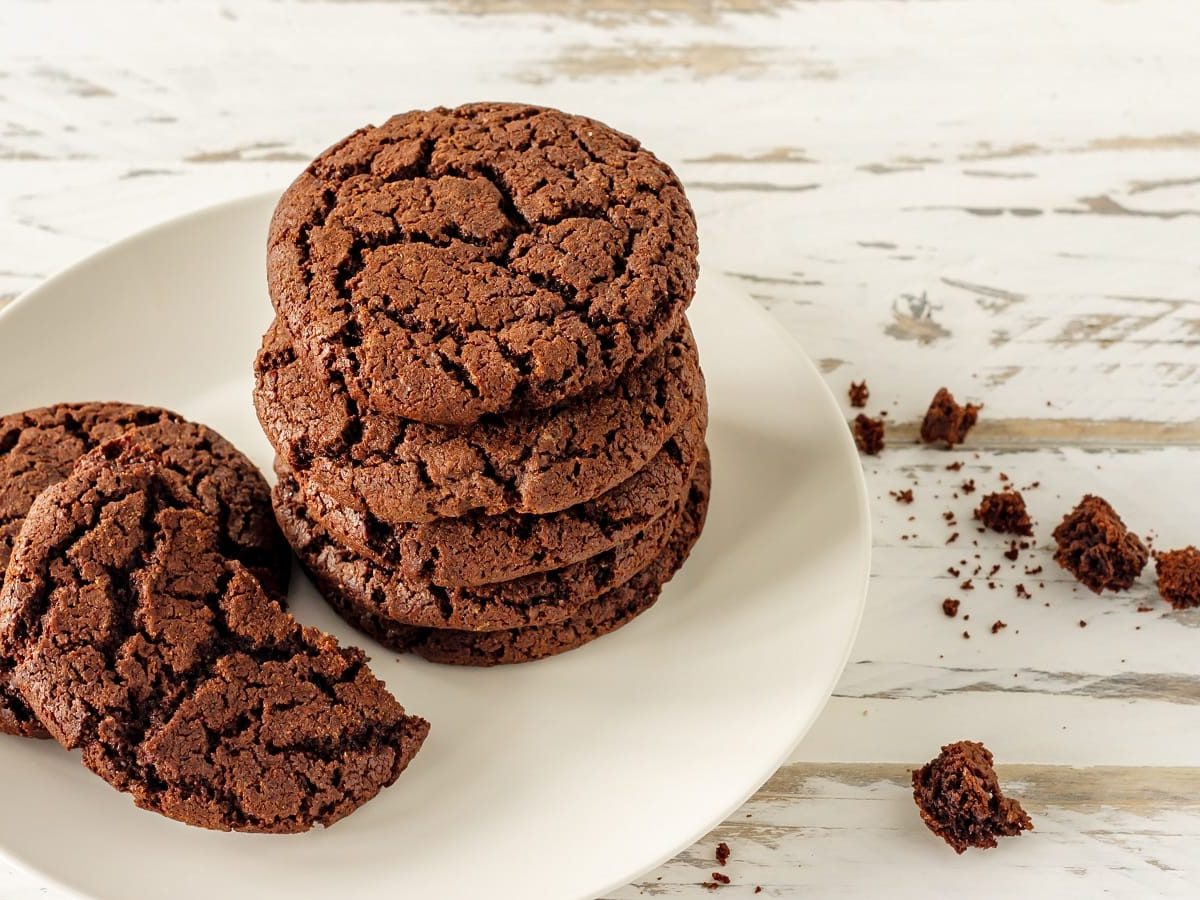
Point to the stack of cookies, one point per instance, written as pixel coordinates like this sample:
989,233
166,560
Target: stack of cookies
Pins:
480,383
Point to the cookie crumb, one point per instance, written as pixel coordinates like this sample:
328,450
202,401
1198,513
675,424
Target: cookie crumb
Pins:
968,486
1036,570
950,606
967,585
954,466
959,798
953,537
1179,577
966,635
905,496
997,625
1082,624
1023,593
868,434
1095,546
722,853
721,877
859,394
946,421
1012,552
1004,511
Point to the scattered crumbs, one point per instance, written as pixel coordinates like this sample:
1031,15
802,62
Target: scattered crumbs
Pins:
1036,570
1143,609
882,413
950,606
949,516
1003,477
997,625
721,877
966,635
722,853
991,585
912,518
1032,486
1042,584
954,466
1023,593
994,569
967,585
709,885
758,889
904,537
859,393
868,434
966,616
1082,624
953,537
954,573
904,496
976,570
968,486
1012,552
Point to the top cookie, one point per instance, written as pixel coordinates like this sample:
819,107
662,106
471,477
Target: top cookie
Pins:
134,636
452,263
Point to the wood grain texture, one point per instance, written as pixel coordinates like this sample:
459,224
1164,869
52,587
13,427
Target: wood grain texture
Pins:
1000,198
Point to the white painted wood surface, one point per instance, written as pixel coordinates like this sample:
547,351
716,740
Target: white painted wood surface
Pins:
999,197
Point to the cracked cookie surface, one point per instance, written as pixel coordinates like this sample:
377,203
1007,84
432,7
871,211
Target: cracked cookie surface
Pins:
40,447
136,638
535,462
543,598
594,619
477,549
452,263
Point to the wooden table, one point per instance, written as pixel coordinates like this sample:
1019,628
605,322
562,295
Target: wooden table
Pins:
1001,198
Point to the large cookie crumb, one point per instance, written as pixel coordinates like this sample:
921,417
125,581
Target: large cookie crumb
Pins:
946,421
1095,546
1179,577
1005,512
960,799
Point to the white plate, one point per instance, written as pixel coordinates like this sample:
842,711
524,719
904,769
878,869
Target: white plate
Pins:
558,779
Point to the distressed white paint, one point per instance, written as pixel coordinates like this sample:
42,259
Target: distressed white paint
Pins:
1004,198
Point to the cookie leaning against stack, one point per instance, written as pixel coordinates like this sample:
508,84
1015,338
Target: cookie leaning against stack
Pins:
142,621
483,392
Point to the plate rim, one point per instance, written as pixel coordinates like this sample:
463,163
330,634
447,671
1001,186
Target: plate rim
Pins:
708,274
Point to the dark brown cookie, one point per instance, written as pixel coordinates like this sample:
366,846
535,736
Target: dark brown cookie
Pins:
474,549
599,617
40,447
134,636
543,598
452,263
534,462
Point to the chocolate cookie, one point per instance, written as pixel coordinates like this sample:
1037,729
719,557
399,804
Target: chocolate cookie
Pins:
543,598
534,462
40,447
135,636
475,549
605,614
452,263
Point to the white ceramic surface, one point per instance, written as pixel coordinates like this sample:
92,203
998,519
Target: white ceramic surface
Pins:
558,779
